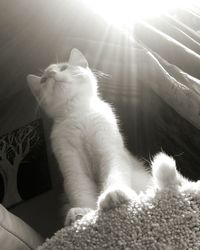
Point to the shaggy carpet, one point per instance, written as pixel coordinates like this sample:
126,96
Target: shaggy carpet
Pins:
164,218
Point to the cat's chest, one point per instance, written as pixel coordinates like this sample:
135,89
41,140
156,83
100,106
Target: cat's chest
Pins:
80,127
78,135
78,132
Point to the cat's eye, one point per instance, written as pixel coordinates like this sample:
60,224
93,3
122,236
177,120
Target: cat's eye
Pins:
63,67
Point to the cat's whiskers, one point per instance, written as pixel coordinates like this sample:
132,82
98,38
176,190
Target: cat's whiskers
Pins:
41,71
100,74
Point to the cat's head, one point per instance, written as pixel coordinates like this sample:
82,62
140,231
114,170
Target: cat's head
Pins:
63,83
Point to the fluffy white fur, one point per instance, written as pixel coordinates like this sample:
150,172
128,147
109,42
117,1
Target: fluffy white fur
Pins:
86,139
165,174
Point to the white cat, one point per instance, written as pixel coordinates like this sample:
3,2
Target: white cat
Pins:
97,168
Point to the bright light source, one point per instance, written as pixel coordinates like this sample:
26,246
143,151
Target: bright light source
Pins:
126,12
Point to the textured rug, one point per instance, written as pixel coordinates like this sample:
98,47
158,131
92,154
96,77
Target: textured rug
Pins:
165,217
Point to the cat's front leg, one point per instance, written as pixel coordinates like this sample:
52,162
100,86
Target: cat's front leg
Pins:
80,188
75,214
115,179
82,195
115,196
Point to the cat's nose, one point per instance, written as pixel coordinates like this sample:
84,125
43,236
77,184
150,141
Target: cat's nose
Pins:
51,73
47,75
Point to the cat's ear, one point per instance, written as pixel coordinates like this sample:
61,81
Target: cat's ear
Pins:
34,83
76,58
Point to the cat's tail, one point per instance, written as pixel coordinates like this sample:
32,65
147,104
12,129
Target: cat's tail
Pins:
165,174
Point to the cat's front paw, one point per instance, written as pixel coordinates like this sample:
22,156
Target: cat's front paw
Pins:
114,197
76,213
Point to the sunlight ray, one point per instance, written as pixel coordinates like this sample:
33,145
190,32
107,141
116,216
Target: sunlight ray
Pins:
127,12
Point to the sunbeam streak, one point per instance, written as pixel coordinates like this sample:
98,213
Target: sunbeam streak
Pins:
126,12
